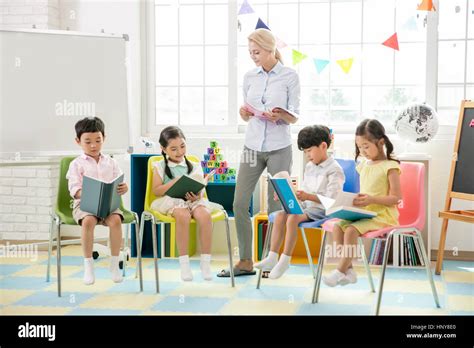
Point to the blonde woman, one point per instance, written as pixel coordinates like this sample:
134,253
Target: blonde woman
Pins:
270,91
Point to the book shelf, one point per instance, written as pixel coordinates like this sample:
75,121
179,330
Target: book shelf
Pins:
313,235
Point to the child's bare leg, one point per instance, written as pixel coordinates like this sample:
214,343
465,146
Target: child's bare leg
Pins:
203,218
338,238
278,233
115,234
87,238
350,244
183,218
290,241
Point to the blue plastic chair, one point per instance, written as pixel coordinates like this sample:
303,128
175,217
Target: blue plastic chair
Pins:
350,185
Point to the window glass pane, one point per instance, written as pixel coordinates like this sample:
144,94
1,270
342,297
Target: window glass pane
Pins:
166,66
450,96
283,20
191,106
216,65
245,64
345,98
378,20
191,24
343,52
410,64
377,65
452,19
470,92
314,23
407,95
470,62
216,106
448,116
410,23
314,99
346,22
190,66
470,20
216,24
308,73
166,25
166,105
451,62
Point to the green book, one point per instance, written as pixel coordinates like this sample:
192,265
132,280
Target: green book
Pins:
167,239
100,198
260,241
186,184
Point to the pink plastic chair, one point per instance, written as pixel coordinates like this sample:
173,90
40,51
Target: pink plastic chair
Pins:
412,220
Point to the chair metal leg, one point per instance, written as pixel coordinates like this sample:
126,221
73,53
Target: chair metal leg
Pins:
308,253
317,281
50,246
265,251
384,267
366,264
428,268
142,231
139,250
155,254
229,248
125,249
58,256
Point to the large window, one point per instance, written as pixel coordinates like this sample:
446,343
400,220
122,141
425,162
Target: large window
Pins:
195,83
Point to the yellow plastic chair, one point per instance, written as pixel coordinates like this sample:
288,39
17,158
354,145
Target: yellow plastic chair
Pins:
157,218
62,215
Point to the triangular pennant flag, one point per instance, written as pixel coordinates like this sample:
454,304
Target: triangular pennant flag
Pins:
280,43
245,8
261,24
426,5
392,42
345,64
298,57
410,24
320,64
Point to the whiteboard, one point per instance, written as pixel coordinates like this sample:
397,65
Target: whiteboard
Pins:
51,79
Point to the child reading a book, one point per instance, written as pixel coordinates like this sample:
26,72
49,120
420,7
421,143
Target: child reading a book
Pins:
90,135
165,174
380,192
322,175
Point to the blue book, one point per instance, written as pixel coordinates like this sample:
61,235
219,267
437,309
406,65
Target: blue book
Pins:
287,196
342,207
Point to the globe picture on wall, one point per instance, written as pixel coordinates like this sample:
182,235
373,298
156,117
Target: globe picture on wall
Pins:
417,123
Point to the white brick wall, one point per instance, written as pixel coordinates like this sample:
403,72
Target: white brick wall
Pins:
27,195
24,14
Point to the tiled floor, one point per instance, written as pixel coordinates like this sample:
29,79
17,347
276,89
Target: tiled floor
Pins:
23,290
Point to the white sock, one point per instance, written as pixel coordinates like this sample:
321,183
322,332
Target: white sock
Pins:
269,262
281,267
114,268
186,273
89,277
206,266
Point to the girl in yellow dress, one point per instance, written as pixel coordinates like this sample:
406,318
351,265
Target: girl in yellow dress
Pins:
380,192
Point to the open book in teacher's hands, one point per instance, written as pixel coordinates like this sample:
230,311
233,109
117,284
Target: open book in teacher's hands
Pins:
261,113
100,198
343,208
188,183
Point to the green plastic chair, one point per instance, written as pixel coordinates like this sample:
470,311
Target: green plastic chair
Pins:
158,218
62,215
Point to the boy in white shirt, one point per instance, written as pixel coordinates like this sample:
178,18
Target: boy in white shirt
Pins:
322,175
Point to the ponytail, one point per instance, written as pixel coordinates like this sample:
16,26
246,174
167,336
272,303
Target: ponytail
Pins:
189,164
167,168
389,146
278,55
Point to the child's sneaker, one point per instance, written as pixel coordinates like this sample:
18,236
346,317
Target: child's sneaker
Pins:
351,277
334,278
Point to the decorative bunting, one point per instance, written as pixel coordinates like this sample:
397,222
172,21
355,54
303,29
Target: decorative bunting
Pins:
320,64
261,24
280,44
345,64
426,5
245,8
410,24
298,57
392,42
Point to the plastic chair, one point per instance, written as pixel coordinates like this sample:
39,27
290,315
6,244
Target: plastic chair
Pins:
62,215
412,220
156,217
350,185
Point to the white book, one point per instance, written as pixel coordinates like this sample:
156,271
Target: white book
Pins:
418,250
342,207
402,250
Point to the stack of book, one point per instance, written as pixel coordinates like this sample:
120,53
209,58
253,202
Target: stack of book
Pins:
406,251
262,233
214,160
377,251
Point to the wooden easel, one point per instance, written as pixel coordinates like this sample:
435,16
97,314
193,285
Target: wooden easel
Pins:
461,179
